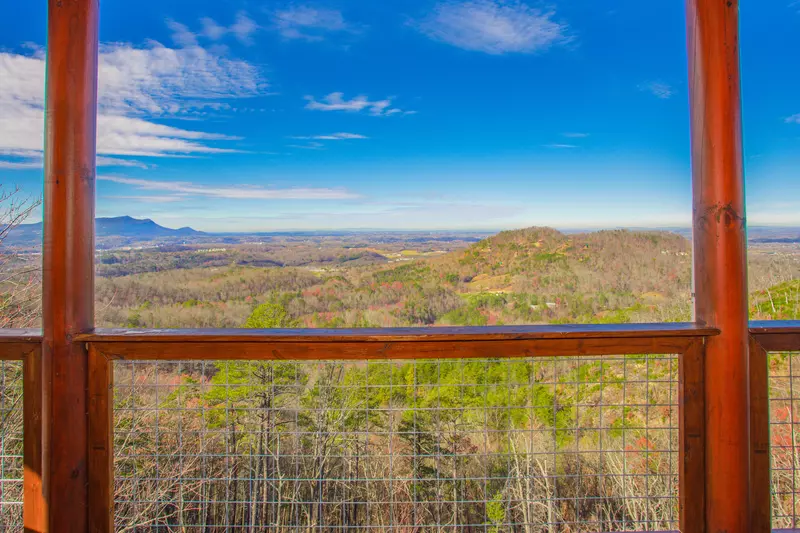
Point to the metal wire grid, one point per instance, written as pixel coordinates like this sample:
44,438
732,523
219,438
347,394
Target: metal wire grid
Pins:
563,444
11,466
784,398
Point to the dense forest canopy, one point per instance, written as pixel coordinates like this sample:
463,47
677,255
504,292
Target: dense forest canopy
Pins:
530,276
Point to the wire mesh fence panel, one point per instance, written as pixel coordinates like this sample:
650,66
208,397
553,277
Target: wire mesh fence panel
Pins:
11,466
534,445
784,397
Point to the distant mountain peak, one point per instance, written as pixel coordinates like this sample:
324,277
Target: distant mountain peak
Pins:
124,219
128,227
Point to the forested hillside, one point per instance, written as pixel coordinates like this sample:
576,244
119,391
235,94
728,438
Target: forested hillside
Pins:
535,445
536,275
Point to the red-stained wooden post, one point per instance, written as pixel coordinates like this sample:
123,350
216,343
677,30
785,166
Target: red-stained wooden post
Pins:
760,498
720,262
68,259
34,510
692,451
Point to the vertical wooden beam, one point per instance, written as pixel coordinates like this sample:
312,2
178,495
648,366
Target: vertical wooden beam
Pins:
691,454
101,434
760,498
720,263
34,510
68,258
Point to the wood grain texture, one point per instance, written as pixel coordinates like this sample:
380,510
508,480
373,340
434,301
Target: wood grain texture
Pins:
386,350
720,255
34,507
777,335
20,335
101,440
779,342
692,450
68,255
759,327
16,344
760,499
436,334
16,351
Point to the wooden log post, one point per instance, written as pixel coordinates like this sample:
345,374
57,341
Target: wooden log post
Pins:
720,262
760,497
68,258
692,452
101,441
34,510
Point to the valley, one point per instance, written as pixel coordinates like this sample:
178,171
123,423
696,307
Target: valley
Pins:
510,436
529,276
155,277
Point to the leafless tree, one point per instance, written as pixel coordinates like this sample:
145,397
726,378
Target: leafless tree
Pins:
20,286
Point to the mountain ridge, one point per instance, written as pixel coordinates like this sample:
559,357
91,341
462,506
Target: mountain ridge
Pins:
106,227
126,230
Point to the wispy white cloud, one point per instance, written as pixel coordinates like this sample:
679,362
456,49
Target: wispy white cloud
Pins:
494,26
560,146
19,159
310,146
119,135
150,199
575,135
659,89
212,30
239,192
25,159
159,80
242,29
794,119
181,35
314,140
137,85
20,165
103,161
332,137
310,23
337,102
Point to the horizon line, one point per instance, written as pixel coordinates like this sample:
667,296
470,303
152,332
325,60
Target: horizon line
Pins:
562,228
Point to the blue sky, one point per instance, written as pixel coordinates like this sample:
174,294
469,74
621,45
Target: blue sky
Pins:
441,114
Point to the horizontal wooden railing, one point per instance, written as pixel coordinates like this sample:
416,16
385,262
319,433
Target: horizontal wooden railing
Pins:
773,335
685,339
396,343
778,335
17,344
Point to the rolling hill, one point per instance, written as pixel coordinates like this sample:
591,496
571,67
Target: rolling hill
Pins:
540,274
